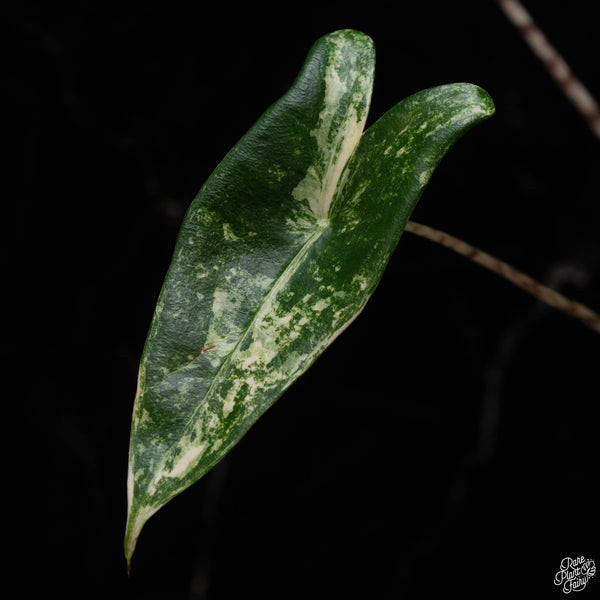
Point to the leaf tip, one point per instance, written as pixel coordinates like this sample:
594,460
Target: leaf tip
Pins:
136,519
477,103
487,104
129,549
132,533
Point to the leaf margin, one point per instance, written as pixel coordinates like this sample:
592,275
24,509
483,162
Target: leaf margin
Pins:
343,180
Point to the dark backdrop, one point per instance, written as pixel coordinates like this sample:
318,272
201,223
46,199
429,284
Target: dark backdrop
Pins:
445,444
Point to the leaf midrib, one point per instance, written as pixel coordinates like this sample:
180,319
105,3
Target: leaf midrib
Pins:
320,227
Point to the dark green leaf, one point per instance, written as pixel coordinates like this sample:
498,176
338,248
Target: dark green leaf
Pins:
277,254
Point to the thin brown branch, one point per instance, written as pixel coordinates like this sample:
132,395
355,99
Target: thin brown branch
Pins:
545,294
575,91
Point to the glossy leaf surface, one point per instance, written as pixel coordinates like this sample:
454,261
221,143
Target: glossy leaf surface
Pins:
277,254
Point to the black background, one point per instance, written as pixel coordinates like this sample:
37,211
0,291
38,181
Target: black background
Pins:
446,443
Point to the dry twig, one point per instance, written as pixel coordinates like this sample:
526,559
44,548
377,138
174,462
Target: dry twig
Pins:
545,294
575,91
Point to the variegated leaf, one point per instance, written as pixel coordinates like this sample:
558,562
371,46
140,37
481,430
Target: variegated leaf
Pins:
277,254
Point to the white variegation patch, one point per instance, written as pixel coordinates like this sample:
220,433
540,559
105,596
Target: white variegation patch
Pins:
228,234
336,135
